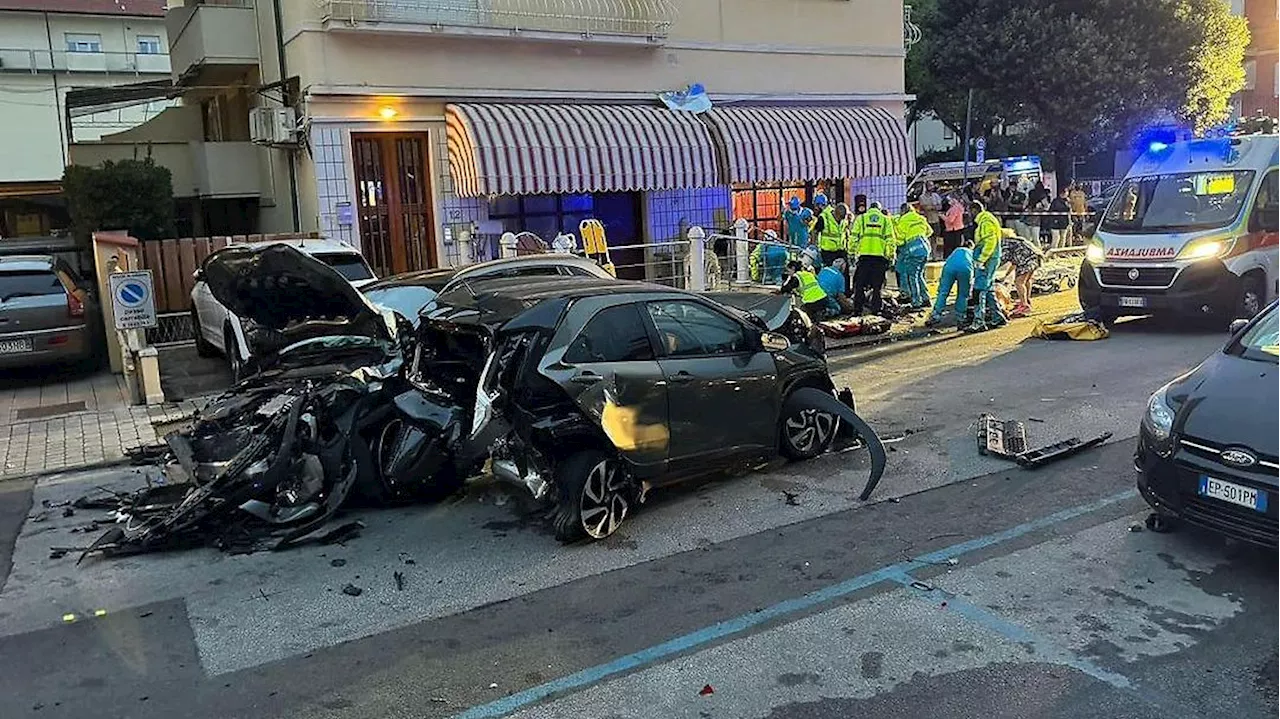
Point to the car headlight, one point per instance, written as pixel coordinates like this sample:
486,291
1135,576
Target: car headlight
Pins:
1095,252
1204,249
1158,420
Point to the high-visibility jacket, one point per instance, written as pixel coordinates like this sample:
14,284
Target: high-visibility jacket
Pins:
810,290
912,225
873,234
986,237
832,236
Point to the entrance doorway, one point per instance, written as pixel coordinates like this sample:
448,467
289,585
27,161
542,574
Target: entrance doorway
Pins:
393,201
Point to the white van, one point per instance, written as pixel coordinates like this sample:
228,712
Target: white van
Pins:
1191,231
948,176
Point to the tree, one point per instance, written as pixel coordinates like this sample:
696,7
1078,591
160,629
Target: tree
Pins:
1081,72
132,195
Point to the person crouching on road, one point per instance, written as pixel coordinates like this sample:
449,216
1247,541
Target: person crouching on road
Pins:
957,272
913,231
987,237
873,236
833,279
804,283
1025,258
775,258
828,230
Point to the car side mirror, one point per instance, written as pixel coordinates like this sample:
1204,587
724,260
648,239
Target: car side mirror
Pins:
774,342
198,275
1236,325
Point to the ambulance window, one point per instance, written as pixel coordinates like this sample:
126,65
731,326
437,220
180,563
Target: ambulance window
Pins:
1266,204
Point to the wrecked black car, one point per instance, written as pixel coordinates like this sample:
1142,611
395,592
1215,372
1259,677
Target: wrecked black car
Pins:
271,461
589,392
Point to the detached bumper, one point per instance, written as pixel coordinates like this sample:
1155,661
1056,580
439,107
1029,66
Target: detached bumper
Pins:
1205,287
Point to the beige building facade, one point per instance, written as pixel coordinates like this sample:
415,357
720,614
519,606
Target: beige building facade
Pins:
421,131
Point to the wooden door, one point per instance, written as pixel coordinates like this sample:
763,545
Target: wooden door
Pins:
393,199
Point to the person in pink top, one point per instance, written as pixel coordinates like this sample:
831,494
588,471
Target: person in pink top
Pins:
952,224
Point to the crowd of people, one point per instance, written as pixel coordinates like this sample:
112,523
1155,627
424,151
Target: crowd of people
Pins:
839,257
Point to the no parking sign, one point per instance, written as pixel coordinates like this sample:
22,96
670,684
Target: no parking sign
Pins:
133,300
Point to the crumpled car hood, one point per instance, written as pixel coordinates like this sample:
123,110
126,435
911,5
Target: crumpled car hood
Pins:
282,289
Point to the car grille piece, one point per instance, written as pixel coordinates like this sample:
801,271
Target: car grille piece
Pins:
1137,276
1212,451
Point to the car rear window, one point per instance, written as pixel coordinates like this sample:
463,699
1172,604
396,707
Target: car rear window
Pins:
29,283
349,265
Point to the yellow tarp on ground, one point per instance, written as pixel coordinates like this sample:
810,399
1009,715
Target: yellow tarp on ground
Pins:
1071,327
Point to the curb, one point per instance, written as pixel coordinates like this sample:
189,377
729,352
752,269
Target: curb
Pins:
91,466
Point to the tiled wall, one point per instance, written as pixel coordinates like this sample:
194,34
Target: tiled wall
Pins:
332,184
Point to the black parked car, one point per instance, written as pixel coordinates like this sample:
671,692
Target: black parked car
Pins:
589,392
1207,449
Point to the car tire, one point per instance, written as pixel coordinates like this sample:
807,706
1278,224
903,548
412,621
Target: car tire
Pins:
234,361
806,434
595,495
443,485
1252,297
204,347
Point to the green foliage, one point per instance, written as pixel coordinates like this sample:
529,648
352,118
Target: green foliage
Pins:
1082,73
133,195
997,146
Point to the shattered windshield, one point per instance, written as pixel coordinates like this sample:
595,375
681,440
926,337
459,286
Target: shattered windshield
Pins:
1178,202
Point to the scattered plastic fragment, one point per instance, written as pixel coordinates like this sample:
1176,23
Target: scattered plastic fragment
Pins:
337,562
493,685
399,577
706,690
792,499
352,590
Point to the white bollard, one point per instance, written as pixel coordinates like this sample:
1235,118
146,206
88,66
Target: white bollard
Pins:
697,259
742,250
507,244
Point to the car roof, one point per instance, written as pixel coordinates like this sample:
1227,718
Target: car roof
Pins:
546,258
434,278
26,263
311,246
501,299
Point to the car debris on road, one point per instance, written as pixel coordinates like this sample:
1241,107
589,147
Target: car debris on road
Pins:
1007,439
585,392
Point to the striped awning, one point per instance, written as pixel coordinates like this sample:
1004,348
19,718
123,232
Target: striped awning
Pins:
498,149
780,144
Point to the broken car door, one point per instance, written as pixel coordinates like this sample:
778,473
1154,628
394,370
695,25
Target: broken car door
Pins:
610,370
723,386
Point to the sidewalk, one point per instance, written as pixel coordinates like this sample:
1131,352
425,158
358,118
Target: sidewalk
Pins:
62,422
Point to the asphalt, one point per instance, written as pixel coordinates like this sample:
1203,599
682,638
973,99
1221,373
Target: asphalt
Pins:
1032,594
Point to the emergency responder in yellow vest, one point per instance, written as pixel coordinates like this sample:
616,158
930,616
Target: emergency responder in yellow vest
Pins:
873,234
827,228
911,254
802,281
987,235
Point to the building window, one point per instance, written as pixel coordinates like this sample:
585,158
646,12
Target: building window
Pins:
1250,74
83,42
148,44
544,215
949,135
762,204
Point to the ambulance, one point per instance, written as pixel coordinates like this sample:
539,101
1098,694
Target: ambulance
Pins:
1191,232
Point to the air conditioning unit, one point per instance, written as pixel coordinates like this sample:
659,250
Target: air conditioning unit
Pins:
273,126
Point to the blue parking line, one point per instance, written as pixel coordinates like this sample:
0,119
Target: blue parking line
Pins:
738,625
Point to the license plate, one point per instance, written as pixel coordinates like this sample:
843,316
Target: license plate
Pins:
9,347
1254,499
1133,301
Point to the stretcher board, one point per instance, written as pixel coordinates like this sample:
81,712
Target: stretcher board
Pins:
595,244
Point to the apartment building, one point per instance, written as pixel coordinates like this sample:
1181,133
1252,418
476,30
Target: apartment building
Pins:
1261,58
49,49
420,130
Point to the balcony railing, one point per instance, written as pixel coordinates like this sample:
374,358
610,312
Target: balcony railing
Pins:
121,63
645,20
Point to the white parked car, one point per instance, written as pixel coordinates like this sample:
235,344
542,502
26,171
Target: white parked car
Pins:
218,331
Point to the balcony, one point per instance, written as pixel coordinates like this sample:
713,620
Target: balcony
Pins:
199,169
621,22
219,37
19,60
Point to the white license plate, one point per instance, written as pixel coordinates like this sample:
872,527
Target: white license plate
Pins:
1133,301
1254,499
10,347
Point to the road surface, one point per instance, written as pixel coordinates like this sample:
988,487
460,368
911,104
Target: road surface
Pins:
966,587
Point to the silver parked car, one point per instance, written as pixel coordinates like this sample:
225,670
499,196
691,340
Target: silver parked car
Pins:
45,312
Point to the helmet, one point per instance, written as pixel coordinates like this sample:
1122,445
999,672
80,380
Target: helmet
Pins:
794,203
873,206
820,200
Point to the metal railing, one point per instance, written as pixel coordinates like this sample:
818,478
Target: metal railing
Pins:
23,60
585,18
